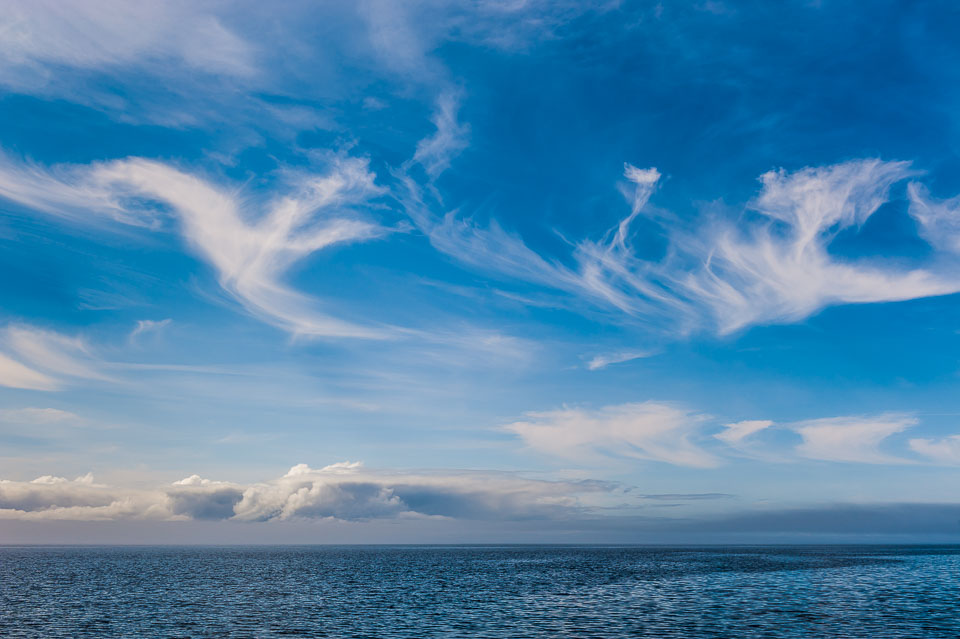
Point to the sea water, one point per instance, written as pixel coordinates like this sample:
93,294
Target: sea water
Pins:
480,591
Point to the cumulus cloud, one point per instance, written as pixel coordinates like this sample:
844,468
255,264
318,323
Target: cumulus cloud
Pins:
343,491
942,451
649,430
250,257
49,490
852,438
198,498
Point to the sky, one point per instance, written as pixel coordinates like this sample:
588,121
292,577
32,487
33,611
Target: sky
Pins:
479,272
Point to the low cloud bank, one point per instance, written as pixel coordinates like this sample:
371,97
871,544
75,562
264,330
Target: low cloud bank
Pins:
344,491
484,504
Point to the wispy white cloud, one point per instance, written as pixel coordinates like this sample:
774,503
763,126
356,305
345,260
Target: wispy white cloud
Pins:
36,359
649,430
250,257
606,359
852,438
149,326
13,374
736,432
781,270
492,249
942,451
770,265
939,220
434,153
40,35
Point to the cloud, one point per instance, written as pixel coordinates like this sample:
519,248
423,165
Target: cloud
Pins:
781,270
48,491
149,326
13,374
769,264
40,36
606,359
851,439
435,152
736,432
939,220
648,430
35,359
198,498
250,257
942,451
345,491
492,249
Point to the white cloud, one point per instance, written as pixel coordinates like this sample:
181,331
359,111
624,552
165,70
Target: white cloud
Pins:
50,497
13,374
606,359
770,265
149,326
648,430
344,491
435,152
942,451
494,250
736,432
39,36
36,359
852,438
781,270
939,220
250,258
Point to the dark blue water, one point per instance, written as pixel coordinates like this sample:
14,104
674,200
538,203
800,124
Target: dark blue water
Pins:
523,591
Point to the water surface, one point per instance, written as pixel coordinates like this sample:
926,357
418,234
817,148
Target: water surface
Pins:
503,591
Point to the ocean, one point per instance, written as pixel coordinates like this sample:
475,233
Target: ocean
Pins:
480,591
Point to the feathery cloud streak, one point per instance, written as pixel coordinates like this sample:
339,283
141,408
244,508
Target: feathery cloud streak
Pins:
34,359
250,257
104,33
773,266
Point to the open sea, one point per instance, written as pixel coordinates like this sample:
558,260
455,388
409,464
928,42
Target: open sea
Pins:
480,591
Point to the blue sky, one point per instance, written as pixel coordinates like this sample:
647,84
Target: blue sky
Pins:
488,271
